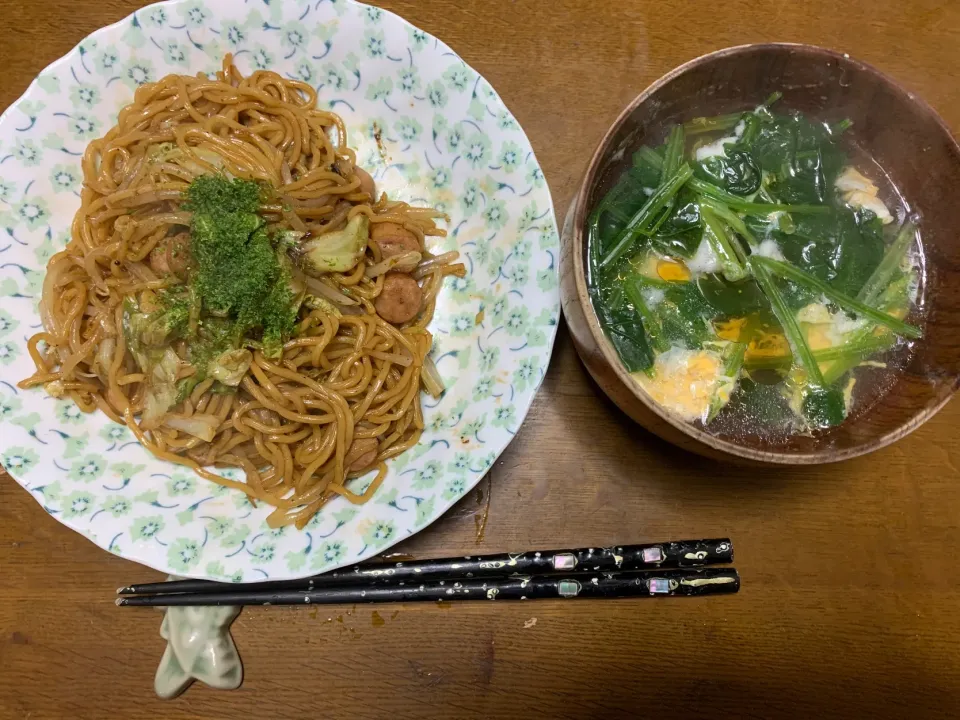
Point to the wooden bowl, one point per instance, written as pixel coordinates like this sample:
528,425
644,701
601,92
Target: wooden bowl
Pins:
900,131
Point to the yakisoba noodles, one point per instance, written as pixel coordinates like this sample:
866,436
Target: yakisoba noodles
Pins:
237,293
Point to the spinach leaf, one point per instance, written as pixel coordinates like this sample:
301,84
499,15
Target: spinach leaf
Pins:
736,172
731,299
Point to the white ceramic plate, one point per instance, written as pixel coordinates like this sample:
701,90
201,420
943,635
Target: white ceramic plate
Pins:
450,142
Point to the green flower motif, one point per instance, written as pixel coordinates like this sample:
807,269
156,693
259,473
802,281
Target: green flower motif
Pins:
86,96
505,121
373,13
7,322
235,536
441,176
418,38
114,433
427,476
489,358
126,471
504,416
75,445
380,90
264,552
49,82
107,61
29,421
219,526
146,528
525,375
183,554
454,139
139,72
470,197
26,152
193,14
477,150
34,280
519,274
176,54
495,261
461,288
345,515
262,60
19,460
333,78
535,175
329,553
157,17
295,559
76,504
438,422
117,506
462,324
548,237
64,178
437,94
8,353
547,280
133,36
6,190
233,34
424,511
510,156
180,485
68,412
379,534
483,389
87,469
496,214
470,430
477,110
374,44
409,129
460,463
409,80
517,321
522,250
84,127
455,488
9,404
293,37
458,77
305,72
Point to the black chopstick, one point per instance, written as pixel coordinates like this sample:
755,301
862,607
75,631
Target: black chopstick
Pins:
658,583
683,553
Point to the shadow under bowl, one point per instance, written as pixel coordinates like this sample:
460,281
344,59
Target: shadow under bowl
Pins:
897,130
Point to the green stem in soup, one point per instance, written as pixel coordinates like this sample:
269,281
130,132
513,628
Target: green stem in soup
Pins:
822,406
640,223
889,266
789,272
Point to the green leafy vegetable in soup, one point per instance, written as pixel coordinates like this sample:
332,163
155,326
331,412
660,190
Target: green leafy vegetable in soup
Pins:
751,277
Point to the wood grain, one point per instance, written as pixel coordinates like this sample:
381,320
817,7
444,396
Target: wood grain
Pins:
850,586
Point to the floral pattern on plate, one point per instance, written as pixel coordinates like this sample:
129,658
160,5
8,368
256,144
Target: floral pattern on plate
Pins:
431,130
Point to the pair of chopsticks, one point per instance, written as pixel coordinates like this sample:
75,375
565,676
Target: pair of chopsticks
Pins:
655,570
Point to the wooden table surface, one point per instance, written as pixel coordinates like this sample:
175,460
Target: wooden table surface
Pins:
851,586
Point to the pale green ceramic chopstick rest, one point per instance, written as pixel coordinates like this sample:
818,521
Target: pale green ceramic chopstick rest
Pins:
199,647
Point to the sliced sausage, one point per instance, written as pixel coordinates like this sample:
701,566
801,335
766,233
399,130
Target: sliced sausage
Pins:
393,239
366,182
400,299
171,256
362,453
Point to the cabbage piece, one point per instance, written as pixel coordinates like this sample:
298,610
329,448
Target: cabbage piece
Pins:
337,251
201,425
162,392
230,367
